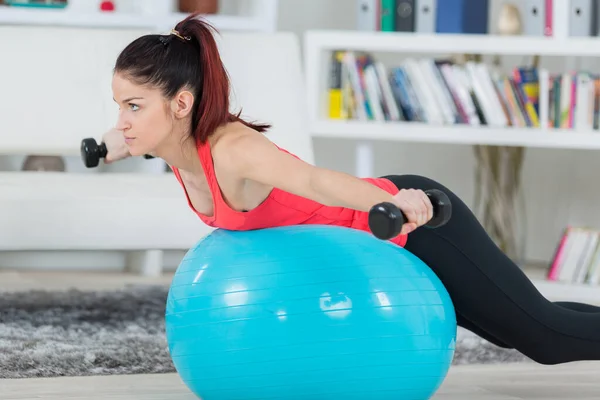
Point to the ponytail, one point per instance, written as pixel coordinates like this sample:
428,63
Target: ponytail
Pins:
187,58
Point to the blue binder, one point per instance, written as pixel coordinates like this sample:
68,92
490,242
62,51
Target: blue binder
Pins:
462,16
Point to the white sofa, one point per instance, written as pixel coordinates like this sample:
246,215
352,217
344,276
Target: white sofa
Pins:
56,91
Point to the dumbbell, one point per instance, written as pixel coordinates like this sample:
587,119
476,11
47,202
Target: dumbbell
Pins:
386,219
92,152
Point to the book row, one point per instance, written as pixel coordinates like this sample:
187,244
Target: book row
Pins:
525,17
441,92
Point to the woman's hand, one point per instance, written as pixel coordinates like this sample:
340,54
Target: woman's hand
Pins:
416,206
116,148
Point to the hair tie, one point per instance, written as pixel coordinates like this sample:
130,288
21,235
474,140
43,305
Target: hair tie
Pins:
164,40
176,33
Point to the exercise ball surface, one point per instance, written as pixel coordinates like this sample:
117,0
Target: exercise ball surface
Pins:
308,312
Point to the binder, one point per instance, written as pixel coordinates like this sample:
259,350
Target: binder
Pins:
549,9
405,15
388,15
425,15
560,18
595,17
462,16
533,16
367,15
580,18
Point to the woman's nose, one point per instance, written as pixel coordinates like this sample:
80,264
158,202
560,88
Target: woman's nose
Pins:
122,124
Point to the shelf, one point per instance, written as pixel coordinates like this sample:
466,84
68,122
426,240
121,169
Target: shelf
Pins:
558,291
409,42
58,149
456,134
67,18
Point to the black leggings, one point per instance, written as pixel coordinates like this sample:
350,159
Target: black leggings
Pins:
492,296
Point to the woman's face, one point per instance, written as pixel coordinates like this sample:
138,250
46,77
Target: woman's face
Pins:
144,115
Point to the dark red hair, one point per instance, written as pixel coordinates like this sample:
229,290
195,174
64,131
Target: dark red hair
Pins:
192,61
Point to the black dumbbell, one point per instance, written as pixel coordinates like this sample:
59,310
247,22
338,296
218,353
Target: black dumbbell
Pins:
386,219
92,152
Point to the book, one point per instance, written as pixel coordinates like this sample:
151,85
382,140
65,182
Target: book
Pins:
577,257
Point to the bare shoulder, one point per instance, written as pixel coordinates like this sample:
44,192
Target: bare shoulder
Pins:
248,154
239,146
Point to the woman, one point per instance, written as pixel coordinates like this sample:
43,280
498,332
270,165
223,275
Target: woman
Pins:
173,92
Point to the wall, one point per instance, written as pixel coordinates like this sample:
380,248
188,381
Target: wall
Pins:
554,197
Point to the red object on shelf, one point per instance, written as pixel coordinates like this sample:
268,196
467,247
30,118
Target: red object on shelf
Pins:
107,6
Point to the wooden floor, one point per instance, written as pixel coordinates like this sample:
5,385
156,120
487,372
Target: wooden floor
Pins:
500,382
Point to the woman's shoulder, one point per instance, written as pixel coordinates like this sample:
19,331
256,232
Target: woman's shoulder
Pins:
230,135
231,146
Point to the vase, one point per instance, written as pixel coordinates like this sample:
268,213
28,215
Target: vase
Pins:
499,198
201,6
43,163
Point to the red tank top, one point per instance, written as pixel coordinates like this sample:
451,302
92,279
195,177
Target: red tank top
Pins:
280,208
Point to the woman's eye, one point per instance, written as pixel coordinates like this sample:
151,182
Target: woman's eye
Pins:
134,107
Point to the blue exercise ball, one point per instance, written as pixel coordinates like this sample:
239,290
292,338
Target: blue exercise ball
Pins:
308,312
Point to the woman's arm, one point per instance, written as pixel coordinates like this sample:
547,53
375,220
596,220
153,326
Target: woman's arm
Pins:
255,157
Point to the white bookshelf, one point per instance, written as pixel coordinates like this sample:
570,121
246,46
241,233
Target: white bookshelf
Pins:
320,44
256,15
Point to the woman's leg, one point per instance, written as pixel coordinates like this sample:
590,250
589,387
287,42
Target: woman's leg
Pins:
492,293
578,306
465,323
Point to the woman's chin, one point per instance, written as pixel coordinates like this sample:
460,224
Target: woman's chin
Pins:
136,152
136,148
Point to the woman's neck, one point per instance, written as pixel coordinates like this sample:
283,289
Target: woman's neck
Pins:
180,153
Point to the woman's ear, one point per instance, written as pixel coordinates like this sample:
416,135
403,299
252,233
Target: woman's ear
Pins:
182,104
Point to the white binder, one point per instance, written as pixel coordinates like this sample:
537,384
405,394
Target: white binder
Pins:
367,15
580,18
425,15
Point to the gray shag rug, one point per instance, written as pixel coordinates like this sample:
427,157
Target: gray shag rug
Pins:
75,333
